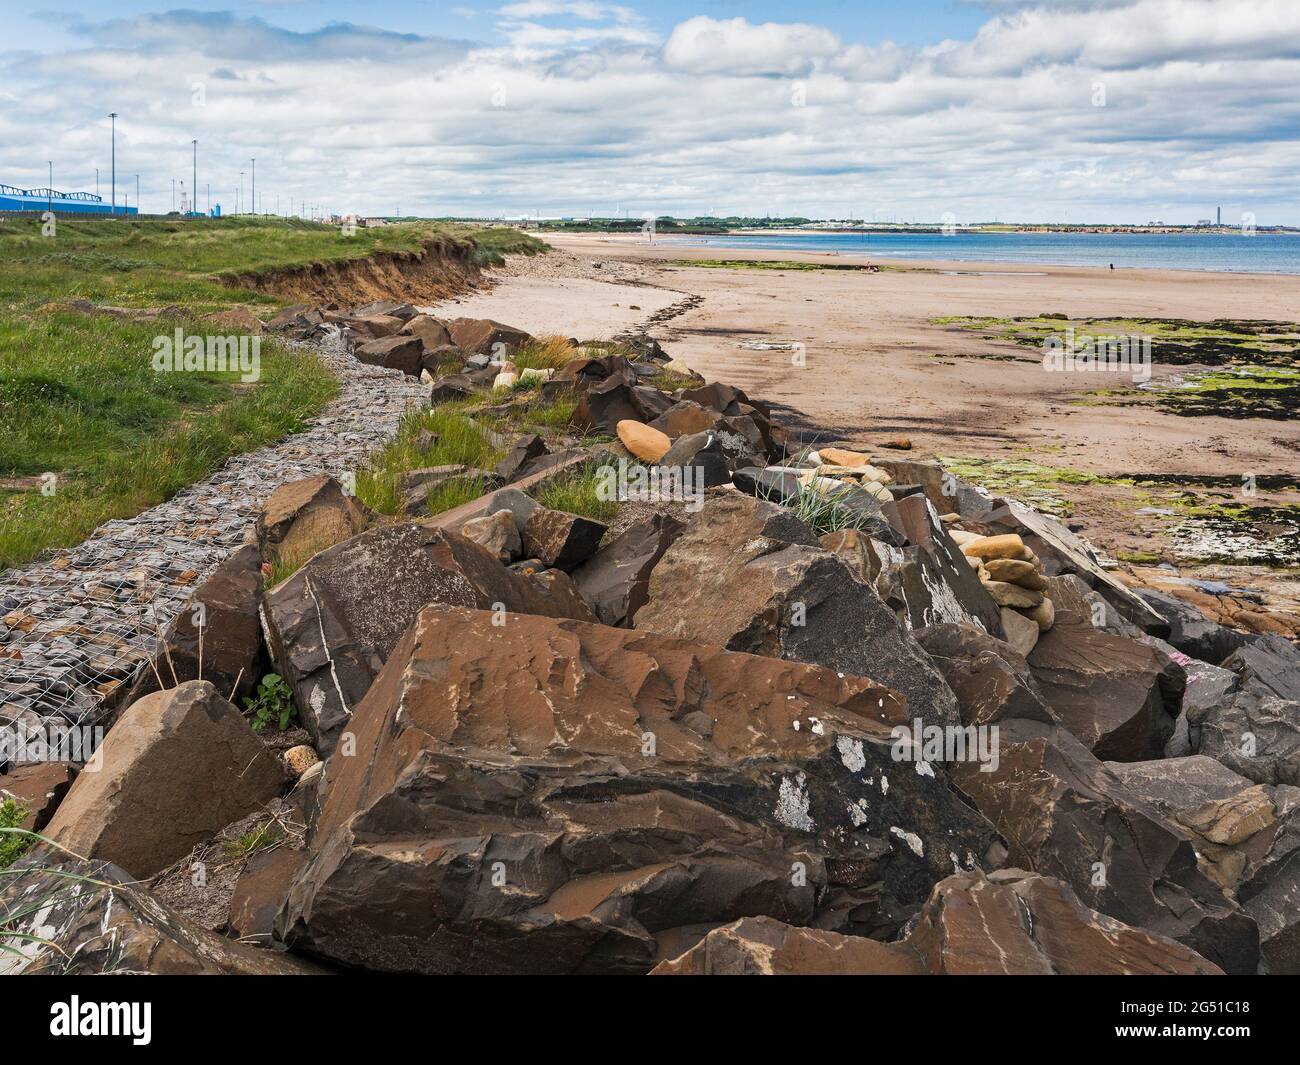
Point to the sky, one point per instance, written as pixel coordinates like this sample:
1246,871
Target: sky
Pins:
973,110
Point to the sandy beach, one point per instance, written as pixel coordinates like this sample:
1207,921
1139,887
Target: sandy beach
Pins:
876,365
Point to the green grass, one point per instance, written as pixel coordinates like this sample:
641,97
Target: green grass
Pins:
79,398
576,493
460,440
544,353
250,843
13,844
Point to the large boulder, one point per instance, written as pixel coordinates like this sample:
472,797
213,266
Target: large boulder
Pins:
302,517
63,916
178,766
750,575
1118,696
433,333
1190,631
486,337
333,624
616,579
1251,731
1063,814
1247,836
394,353
1010,923
561,539
216,637
934,579
552,796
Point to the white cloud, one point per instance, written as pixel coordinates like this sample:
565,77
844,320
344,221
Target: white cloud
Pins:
703,45
580,108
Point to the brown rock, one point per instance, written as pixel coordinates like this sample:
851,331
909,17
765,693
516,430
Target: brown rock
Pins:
991,681
186,752
615,581
1017,923
299,759
433,334
763,946
223,611
643,441
1016,571
1118,696
375,326
303,517
684,419
750,575
561,539
990,547
548,796
260,892
332,624
1012,595
856,551
38,787
486,337
496,532
403,353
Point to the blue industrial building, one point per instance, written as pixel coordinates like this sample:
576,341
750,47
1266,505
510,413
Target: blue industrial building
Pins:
14,199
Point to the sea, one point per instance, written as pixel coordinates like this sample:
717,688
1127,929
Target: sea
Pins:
1254,253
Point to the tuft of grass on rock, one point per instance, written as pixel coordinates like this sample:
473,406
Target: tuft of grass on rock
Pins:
577,493
544,353
457,439
14,842
245,846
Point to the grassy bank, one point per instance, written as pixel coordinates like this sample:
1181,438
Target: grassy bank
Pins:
79,399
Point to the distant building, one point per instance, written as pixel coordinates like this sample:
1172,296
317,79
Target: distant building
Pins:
1205,221
36,200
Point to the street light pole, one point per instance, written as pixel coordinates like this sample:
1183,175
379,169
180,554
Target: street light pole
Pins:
137,194
113,116
254,190
194,185
50,191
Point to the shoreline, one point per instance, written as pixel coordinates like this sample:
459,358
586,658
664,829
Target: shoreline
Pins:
887,357
567,241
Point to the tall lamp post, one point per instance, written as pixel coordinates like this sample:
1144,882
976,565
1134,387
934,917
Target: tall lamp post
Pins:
113,116
194,185
254,189
50,191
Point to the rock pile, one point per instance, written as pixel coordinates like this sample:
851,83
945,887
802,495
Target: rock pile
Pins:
788,711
